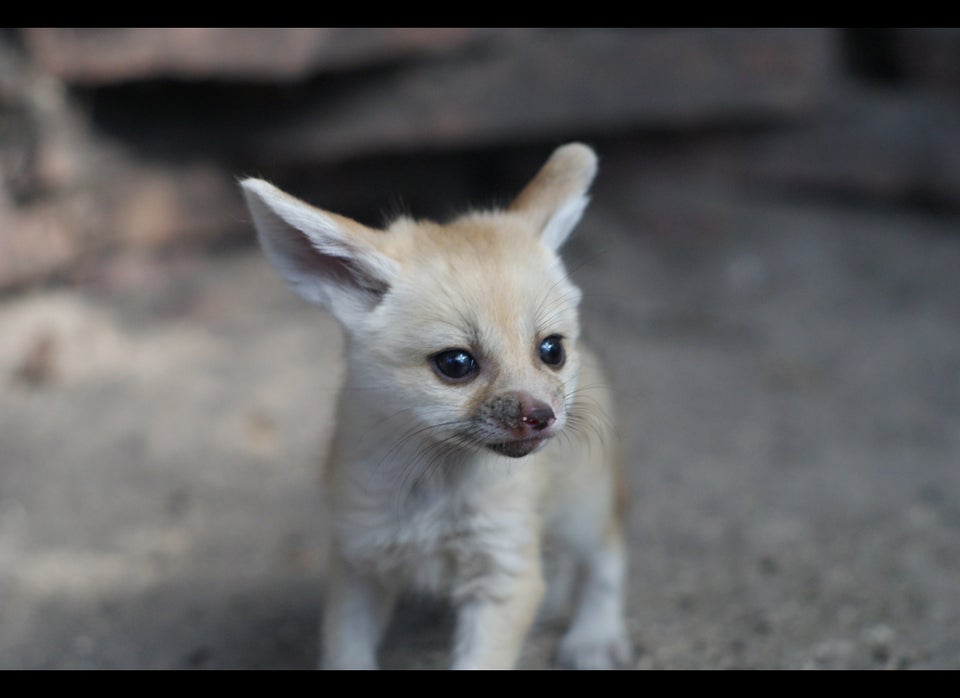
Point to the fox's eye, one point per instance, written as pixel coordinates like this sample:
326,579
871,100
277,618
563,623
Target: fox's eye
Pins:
455,363
551,351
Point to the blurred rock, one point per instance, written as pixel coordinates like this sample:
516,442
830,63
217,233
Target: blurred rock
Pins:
870,146
43,162
930,58
542,84
38,364
35,243
159,206
104,55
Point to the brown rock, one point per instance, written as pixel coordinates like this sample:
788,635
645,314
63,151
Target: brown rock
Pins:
156,207
35,243
559,81
97,56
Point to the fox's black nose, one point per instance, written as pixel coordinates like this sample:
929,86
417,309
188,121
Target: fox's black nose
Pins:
534,414
537,416
521,413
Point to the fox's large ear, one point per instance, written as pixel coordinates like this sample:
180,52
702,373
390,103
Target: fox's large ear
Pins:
326,258
555,198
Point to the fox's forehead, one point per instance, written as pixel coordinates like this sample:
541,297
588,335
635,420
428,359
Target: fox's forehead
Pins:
481,281
495,235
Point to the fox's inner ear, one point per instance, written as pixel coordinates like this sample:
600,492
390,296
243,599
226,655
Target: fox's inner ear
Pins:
325,258
555,198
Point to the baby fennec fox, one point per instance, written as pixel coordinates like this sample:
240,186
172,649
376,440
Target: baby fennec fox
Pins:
474,442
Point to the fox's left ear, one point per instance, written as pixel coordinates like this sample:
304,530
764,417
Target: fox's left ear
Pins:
555,198
324,257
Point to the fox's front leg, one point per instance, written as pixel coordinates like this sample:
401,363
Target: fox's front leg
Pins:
357,607
597,637
493,619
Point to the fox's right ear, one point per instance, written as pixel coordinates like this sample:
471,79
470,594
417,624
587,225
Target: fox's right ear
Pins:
555,198
325,258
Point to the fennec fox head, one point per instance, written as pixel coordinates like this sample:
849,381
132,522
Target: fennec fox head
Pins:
470,327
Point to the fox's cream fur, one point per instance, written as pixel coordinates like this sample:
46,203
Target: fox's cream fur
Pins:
474,437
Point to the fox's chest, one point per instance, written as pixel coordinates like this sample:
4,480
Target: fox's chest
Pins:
439,541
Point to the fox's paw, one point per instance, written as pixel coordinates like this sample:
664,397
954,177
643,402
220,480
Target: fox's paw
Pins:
581,650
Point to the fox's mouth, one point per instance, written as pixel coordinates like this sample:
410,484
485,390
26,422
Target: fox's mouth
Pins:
519,447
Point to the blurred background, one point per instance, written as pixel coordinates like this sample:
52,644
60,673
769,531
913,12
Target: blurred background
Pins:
770,263
131,139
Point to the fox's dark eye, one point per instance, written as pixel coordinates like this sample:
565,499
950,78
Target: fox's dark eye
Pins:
455,363
551,351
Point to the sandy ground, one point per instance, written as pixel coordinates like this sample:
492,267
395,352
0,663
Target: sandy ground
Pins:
789,394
